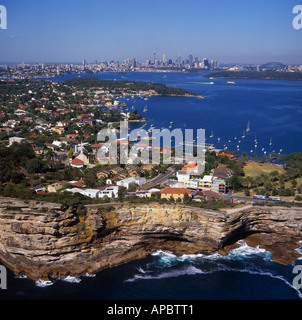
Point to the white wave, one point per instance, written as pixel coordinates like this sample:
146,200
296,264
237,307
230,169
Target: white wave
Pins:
245,251
71,279
89,275
43,283
191,270
23,276
141,270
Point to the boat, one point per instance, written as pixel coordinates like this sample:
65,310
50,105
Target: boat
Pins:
270,143
212,82
243,136
248,129
230,82
212,134
145,109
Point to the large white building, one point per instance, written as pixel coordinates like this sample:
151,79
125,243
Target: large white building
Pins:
127,182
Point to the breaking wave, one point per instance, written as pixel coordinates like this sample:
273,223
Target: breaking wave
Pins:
244,259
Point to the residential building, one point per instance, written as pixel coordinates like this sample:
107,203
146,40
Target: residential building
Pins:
91,193
127,182
183,176
15,139
175,193
77,163
222,173
110,191
206,182
59,130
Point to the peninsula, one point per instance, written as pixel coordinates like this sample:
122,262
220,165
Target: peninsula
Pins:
125,87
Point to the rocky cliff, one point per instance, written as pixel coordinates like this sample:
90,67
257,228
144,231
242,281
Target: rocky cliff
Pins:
44,240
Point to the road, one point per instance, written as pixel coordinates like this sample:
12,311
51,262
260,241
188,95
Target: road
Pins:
159,179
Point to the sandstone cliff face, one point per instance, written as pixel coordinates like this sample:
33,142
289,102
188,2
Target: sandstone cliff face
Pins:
43,240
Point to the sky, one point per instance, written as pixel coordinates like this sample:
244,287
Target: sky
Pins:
230,31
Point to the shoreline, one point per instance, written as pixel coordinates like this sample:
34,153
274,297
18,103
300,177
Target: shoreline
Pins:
100,241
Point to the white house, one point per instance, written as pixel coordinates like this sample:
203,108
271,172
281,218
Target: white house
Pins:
183,176
15,139
192,184
92,193
109,190
127,182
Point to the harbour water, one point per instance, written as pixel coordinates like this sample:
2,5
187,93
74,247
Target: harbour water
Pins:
273,109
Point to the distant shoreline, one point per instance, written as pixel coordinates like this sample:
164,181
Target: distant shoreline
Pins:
266,75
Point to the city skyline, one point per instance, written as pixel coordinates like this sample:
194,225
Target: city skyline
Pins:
226,31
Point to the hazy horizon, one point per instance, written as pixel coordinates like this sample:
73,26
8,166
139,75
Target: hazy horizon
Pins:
232,31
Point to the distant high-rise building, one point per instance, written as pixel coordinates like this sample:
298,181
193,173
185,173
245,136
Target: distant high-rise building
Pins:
214,64
205,62
154,53
165,59
190,60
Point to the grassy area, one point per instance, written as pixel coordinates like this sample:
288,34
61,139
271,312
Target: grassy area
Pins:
254,169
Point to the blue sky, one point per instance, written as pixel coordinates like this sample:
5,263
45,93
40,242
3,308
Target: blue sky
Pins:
252,31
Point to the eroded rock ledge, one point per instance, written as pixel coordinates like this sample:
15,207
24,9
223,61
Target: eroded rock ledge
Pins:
44,240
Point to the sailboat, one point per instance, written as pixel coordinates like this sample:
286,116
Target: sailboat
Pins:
243,136
270,143
248,129
145,109
212,134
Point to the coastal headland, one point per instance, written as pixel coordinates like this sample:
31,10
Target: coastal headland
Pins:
47,240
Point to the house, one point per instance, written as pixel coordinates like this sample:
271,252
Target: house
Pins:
127,182
62,124
222,173
77,163
11,123
83,155
59,130
219,185
15,139
206,182
91,193
73,190
109,190
54,187
211,195
183,176
198,195
146,193
192,184
175,193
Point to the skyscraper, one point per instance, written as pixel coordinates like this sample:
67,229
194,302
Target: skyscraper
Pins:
165,59
190,60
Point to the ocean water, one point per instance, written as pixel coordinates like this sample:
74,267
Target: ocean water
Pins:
274,110
245,273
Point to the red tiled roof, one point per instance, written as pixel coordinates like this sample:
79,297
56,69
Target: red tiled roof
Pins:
77,161
176,190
